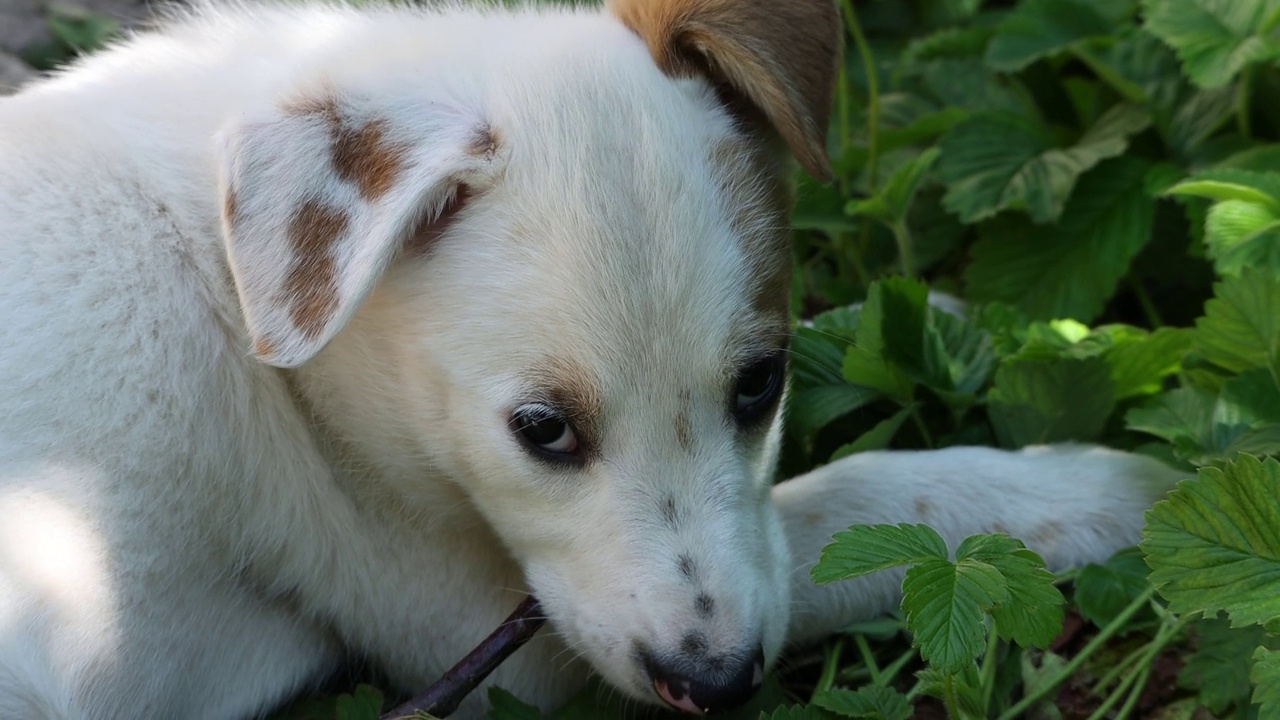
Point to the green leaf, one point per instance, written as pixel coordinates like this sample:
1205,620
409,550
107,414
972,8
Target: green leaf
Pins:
878,437
1033,613
1224,190
1069,270
961,354
995,161
945,603
872,702
797,712
1184,417
891,202
1103,591
1140,365
1240,234
864,549
1214,543
1221,664
819,392
1037,28
363,704
1266,678
1240,329
504,706
1044,401
1216,39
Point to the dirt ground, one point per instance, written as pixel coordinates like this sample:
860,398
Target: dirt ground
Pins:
24,24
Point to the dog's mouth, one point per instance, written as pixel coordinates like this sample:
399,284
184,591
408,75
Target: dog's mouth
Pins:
703,693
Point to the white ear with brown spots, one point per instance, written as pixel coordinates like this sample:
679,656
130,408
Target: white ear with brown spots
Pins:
781,56
319,197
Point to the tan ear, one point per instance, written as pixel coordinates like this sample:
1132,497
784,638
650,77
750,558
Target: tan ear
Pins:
320,195
782,56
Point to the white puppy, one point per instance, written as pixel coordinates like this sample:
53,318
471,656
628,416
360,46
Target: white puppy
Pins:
330,332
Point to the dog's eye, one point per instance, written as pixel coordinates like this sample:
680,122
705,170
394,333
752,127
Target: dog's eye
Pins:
545,432
757,388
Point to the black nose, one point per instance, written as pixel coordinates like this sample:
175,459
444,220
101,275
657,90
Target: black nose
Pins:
707,685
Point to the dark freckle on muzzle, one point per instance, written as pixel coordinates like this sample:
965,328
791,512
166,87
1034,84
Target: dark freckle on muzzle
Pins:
705,685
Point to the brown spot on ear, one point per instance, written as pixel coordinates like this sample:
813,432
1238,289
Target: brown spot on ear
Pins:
311,285
362,156
922,507
263,348
782,56
684,428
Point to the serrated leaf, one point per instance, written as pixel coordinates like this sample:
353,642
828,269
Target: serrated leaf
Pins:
1072,269
1221,664
1045,401
1032,615
1240,329
1241,235
1103,591
797,712
864,549
872,702
1214,543
970,85
1184,417
505,706
1215,39
995,161
1038,28
945,603
1266,680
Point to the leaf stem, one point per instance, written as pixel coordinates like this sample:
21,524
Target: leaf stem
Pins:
873,92
987,674
949,689
873,129
905,256
869,659
1092,647
830,667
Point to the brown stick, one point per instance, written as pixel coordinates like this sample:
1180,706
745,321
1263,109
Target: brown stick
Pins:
443,697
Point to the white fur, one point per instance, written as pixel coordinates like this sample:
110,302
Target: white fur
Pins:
188,532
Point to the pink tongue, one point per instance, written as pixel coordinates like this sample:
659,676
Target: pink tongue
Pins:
685,703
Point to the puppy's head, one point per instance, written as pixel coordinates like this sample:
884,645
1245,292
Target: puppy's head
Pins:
562,282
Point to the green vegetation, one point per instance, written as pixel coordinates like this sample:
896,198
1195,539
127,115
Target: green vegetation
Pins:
1100,180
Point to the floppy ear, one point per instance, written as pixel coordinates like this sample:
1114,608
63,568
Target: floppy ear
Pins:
781,56
319,196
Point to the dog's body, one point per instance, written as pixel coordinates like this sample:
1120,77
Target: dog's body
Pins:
294,302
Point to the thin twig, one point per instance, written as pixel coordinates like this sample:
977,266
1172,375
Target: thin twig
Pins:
443,697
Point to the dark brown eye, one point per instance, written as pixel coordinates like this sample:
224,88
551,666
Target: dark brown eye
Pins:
757,388
545,432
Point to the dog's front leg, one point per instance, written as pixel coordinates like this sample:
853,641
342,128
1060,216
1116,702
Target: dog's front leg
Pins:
1072,504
